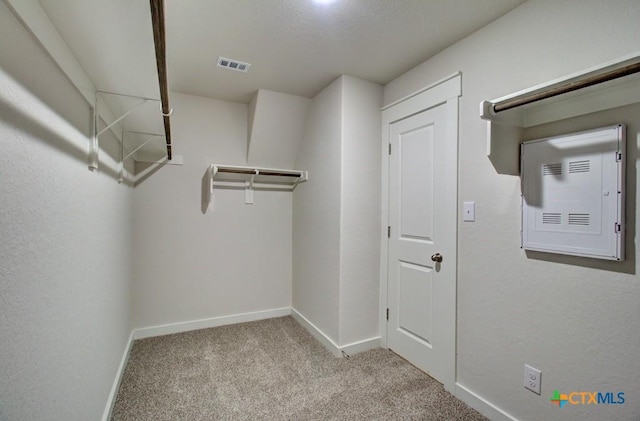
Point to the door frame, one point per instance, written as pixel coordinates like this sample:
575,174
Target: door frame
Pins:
445,91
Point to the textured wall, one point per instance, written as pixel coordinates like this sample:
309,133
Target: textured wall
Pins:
336,214
277,124
575,319
360,210
65,245
316,213
234,259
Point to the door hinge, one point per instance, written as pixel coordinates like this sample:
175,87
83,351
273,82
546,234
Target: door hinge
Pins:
618,156
617,227
389,231
389,148
387,314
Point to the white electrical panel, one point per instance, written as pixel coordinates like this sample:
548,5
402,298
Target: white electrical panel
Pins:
573,194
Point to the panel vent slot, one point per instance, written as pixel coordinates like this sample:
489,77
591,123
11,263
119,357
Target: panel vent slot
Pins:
231,64
551,218
579,166
578,219
552,169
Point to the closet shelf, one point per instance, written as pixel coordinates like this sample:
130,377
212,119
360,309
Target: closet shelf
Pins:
250,178
609,85
231,175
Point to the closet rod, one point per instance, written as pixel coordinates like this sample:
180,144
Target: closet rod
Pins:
253,172
568,87
157,20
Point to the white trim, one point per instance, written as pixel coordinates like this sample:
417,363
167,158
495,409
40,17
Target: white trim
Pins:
482,405
421,90
168,329
445,91
326,341
361,346
111,400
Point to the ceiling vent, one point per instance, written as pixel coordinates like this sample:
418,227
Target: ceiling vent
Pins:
228,63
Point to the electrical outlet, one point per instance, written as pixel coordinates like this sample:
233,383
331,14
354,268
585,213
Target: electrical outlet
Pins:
532,378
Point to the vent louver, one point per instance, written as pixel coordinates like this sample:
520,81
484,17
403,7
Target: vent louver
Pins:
231,64
551,218
579,166
578,219
552,169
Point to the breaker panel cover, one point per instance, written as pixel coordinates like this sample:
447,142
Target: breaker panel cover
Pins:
573,194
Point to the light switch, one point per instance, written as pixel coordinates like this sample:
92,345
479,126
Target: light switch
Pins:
469,211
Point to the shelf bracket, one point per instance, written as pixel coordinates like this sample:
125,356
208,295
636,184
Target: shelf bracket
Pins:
93,142
123,116
130,154
248,192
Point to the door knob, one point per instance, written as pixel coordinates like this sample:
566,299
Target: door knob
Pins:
437,258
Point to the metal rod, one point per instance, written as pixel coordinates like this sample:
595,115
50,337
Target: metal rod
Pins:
253,172
113,123
157,20
568,87
280,174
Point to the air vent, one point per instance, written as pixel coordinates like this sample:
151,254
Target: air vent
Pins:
552,169
578,219
231,64
579,166
551,218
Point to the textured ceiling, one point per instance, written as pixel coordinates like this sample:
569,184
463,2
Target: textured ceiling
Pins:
294,46
299,47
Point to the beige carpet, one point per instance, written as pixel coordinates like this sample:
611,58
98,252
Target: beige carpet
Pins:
273,370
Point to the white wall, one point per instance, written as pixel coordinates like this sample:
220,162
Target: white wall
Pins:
337,212
234,259
575,319
277,124
316,213
360,210
65,249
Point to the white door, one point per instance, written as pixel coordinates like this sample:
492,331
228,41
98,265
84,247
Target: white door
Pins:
421,288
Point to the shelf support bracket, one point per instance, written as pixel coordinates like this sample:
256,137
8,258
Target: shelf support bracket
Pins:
121,163
93,143
123,116
248,193
141,146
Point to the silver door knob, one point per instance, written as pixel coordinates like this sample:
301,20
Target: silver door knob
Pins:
437,258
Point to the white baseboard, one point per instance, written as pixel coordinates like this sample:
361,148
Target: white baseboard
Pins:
111,400
482,405
147,332
361,346
327,342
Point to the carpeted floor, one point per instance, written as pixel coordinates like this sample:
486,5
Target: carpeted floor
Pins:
274,370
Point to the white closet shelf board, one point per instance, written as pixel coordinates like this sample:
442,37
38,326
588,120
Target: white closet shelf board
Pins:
504,128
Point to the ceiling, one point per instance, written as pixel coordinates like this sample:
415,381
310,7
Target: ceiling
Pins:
293,46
